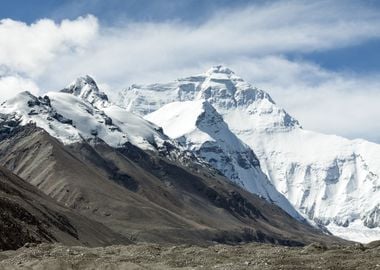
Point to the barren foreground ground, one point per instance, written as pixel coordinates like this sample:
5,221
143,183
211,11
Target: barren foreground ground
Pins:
144,256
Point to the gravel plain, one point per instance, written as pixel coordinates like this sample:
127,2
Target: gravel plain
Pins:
150,256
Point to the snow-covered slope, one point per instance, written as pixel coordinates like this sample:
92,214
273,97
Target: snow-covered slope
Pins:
332,180
222,88
80,112
198,127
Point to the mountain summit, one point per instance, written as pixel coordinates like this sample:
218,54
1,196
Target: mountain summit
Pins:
332,180
221,87
86,88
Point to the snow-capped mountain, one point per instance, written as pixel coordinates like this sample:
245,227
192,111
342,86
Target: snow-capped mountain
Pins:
123,171
332,180
81,111
222,88
198,127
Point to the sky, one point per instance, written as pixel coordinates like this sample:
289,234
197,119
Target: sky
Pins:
320,60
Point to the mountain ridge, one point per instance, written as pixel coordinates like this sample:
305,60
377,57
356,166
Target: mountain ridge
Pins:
332,180
198,127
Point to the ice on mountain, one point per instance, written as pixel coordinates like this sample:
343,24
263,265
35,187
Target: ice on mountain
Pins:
330,179
81,111
198,127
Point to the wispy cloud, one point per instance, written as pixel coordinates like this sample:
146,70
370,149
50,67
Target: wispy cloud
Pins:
331,102
253,41
9,85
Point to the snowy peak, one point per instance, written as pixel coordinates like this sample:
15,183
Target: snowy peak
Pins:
220,73
199,128
232,96
82,87
222,88
72,119
86,88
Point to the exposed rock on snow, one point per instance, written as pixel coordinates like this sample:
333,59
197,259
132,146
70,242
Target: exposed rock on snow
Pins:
330,179
198,127
82,112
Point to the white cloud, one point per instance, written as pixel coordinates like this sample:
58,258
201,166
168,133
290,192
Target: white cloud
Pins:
325,101
10,85
29,48
252,41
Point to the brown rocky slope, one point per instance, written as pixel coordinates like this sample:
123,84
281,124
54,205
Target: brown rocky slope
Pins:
145,196
28,215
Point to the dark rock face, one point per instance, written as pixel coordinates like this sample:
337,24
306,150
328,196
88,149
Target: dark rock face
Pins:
38,101
7,125
94,132
62,119
373,219
247,159
108,121
13,220
126,181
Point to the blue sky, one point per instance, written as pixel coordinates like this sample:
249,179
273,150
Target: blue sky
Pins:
320,60
361,57
112,11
